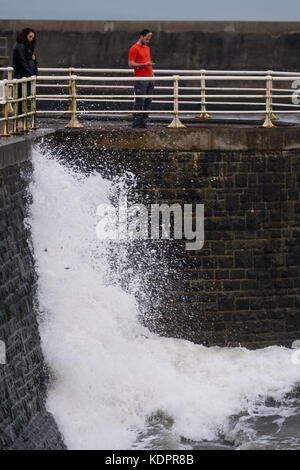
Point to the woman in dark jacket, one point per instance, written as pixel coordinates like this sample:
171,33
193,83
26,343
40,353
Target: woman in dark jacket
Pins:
24,61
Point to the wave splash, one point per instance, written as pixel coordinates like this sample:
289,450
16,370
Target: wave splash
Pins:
116,385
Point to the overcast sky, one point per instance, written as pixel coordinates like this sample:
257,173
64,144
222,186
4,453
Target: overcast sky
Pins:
247,10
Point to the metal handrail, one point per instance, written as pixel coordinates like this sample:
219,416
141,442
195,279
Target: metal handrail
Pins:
174,88
163,71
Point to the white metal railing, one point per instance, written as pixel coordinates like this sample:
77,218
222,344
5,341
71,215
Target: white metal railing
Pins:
13,92
196,93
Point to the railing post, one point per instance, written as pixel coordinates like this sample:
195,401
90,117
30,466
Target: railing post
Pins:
33,104
5,132
273,117
10,91
25,106
203,114
73,104
71,73
268,121
176,123
16,106
134,97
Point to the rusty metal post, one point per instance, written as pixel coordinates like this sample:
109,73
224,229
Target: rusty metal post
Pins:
203,114
176,123
25,107
33,104
268,122
134,97
10,91
273,117
74,123
71,73
5,132
15,105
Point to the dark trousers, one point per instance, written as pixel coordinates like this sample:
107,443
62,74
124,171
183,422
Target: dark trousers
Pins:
143,87
20,105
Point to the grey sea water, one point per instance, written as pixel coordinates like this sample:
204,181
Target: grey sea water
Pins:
269,425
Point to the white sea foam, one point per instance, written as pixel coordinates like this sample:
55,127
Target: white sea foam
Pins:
111,373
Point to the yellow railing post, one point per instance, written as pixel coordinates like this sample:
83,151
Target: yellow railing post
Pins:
273,117
73,105
203,114
176,123
268,122
33,104
25,106
71,73
15,106
10,91
5,132
134,97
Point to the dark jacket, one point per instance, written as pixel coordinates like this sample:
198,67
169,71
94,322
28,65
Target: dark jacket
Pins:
24,65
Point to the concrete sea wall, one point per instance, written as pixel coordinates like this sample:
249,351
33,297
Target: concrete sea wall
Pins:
24,421
189,44
241,288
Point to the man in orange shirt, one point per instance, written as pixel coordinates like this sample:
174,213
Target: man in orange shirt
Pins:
139,59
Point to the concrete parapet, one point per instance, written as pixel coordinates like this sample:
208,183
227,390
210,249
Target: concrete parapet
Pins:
175,44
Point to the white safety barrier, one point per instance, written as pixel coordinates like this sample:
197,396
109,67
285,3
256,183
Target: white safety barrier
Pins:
13,92
194,93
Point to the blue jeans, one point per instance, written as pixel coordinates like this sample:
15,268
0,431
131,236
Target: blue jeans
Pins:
143,87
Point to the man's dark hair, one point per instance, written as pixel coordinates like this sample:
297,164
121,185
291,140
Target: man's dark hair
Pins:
22,38
145,32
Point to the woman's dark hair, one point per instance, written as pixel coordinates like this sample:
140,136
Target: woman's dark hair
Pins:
22,38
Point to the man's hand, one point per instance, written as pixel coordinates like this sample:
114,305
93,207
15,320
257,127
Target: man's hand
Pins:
135,65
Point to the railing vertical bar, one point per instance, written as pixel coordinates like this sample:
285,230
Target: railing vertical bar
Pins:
10,90
74,123
25,106
273,117
15,105
33,104
268,121
176,123
203,114
5,132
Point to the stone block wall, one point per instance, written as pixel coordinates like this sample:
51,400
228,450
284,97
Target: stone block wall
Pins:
24,421
243,287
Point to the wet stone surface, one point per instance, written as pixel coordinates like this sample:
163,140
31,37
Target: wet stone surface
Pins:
24,421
